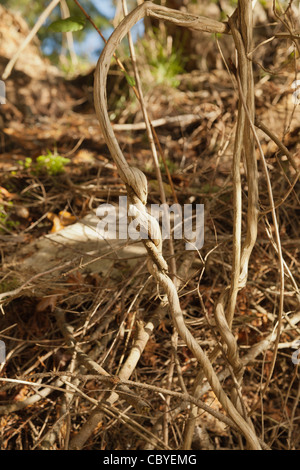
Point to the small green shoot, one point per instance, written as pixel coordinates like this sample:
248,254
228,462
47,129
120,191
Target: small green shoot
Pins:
165,65
5,221
130,80
52,163
26,164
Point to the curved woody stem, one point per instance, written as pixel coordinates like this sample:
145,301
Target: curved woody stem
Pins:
136,185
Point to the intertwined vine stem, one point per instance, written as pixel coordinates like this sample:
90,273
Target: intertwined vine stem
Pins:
136,184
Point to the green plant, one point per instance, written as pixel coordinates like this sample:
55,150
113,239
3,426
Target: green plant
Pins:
26,164
164,61
52,163
172,166
5,222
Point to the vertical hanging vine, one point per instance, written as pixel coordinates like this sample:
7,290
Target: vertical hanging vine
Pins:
136,185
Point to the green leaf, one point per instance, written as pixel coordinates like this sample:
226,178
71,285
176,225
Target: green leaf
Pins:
130,80
73,23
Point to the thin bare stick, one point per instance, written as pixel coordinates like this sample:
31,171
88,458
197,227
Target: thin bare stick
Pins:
38,24
128,367
6,295
20,405
278,142
65,13
91,365
278,243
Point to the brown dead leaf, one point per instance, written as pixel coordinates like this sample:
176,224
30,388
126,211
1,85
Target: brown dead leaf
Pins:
45,302
75,279
22,394
162,327
66,218
84,156
57,225
63,219
211,422
6,193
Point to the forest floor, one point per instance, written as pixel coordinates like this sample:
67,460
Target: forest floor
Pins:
50,116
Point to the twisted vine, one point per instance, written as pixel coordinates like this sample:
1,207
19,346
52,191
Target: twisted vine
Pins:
136,184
